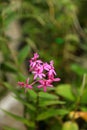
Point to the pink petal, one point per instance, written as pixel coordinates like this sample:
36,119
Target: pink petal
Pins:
29,86
51,62
40,86
45,89
40,76
21,84
36,55
56,79
50,86
43,75
41,81
46,66
54,72
35,76
27,81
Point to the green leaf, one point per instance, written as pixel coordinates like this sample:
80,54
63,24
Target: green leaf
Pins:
23,120
78,69
9,67
10,87
65,91
52,113
32,94
84,96
7,85
50,102
23,53
31,43
44,95
9,128
83,108
9,15
21,77
70,126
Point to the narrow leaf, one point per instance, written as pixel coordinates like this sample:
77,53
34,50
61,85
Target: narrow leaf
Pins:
8,67
47,96
32,94
50,102
23,54
78,69
51,113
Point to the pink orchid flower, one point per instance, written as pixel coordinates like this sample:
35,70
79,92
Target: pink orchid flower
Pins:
25,85
38,72
44,84
44,74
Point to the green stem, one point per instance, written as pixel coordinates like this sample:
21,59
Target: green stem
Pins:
81,90
80,95
37,109
82,86
25,110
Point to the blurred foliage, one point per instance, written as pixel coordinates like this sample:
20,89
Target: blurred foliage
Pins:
56,30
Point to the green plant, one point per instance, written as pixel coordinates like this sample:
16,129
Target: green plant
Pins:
56,30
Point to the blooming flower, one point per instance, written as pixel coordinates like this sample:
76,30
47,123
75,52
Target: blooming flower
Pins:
25,85
51,69
21,84
54,79
38,72
44,74
36,56
44,84
46,66
33,61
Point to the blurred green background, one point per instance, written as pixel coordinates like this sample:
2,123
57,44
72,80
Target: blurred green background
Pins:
56,29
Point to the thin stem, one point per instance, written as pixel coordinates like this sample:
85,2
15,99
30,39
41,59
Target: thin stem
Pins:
80,95
81,90
34,82
82,86
37,108
25,109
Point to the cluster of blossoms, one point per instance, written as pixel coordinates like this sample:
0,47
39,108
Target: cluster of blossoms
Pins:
44,74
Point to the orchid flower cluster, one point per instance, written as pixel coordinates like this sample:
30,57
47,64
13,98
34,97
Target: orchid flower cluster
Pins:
44,74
